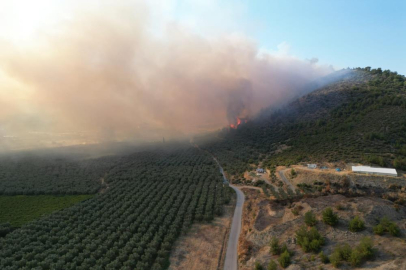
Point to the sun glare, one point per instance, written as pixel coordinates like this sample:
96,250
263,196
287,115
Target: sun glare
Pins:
22,20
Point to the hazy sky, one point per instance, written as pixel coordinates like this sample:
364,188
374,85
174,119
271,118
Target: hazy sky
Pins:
74,71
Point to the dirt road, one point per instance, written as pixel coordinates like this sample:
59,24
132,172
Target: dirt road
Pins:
284,179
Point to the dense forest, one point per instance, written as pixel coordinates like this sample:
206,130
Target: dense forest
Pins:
359,118
150,198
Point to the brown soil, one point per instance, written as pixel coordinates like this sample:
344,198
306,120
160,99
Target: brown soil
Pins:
204,245
277,219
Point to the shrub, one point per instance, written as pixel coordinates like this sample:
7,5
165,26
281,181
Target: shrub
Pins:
329,217
340,253
345,252
258,266
309,240
378,229
366,248
323,257
284,248
295,211
310,218
275,249
357,224
393,229
284,259
272,265
386,225
335,259
355,256
293,173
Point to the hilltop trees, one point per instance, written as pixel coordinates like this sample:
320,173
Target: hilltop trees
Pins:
364,110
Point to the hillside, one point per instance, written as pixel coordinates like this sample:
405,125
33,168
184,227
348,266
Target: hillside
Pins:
359,118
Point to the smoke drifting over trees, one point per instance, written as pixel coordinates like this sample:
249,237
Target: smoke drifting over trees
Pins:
108,73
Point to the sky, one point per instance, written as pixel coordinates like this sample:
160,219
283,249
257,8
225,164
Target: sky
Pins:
342,33
79,72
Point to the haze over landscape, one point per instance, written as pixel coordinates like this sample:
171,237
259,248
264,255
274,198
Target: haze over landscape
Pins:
202,134
74,72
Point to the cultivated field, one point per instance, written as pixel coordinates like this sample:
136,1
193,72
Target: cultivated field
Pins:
154,196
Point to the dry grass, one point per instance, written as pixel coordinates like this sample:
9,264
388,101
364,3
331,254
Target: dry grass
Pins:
204,246
276,219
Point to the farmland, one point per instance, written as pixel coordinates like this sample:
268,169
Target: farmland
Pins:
20,209
153,197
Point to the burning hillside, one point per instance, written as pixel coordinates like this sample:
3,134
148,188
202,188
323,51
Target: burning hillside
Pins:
238,121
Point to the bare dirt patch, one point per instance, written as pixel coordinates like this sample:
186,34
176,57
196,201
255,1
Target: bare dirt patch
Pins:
204,245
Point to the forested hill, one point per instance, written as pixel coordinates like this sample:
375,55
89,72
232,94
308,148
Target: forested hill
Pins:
359,118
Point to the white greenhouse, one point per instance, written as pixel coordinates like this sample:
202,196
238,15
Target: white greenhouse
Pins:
372,170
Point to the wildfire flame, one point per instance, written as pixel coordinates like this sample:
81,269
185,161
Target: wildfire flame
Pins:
239,121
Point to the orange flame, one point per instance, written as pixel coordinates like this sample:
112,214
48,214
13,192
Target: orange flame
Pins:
238,123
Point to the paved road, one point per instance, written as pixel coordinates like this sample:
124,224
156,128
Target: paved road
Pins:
231,261
287,182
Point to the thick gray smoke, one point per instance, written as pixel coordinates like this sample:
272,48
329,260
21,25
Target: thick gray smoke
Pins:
239,102
106,75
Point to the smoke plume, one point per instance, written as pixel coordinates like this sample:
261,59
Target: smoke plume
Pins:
106,75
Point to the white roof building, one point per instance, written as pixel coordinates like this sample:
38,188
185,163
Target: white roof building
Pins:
372,170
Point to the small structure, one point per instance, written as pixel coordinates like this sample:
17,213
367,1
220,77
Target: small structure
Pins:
260,170
372,170
312,166
338,169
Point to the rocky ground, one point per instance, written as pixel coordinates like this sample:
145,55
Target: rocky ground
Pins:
265,219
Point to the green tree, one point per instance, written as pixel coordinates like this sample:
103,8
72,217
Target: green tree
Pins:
323,257
329,217
293,173
275,248
393,229
356,224
272,265
284,259
309,240
379,229
310,219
